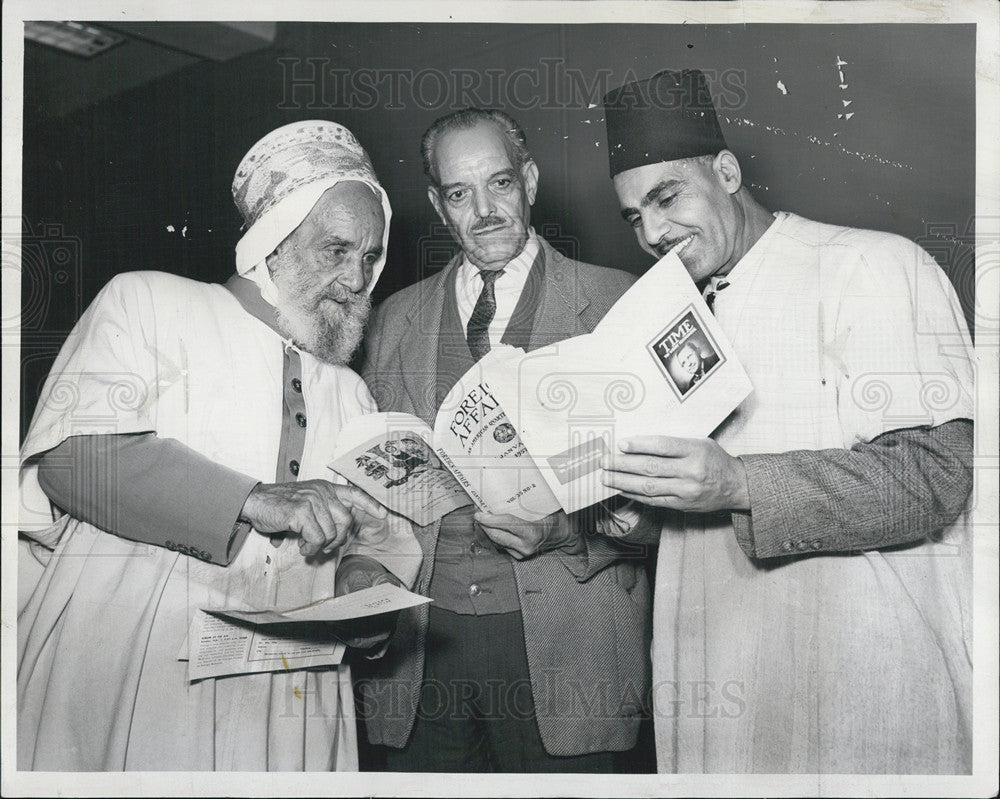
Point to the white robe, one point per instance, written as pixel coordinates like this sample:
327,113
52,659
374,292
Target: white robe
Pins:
829,663
99,683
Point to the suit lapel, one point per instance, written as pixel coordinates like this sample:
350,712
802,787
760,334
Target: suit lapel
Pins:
562,302
557,317
418,349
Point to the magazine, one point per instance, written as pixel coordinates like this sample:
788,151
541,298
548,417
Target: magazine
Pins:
473,455
527,433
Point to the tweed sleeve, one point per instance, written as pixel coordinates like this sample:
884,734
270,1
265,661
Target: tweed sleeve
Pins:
903,486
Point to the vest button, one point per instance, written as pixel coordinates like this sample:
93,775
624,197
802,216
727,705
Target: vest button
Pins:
301,419
293,467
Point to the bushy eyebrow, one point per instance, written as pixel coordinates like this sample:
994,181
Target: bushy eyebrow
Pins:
337,241
510,172
652,195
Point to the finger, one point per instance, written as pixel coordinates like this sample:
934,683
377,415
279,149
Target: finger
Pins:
610,527
312,535
386,577
665,446
332,526
343,520
354,497
504,522
673,503
504,539
645,465
501,520
514,532
644,487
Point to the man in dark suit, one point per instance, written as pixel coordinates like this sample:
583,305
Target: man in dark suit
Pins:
534,654
692,366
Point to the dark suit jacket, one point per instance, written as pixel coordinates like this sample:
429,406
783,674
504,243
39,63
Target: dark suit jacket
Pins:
586,627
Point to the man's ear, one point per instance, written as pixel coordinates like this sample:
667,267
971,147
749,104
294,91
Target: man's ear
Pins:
529,175
271,261
726,168
435,198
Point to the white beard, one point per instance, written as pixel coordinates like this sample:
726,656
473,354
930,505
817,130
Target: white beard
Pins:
325,328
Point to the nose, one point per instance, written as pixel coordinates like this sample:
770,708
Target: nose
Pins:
484,204
354,276
654,228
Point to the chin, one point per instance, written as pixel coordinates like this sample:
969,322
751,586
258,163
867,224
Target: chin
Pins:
331,334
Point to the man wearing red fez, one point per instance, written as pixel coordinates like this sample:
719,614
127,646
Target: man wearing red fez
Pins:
178,449
815,586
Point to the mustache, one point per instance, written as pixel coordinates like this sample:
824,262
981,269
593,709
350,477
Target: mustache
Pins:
344,295
665,245
488,222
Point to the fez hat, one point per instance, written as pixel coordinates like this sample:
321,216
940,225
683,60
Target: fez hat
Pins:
663,118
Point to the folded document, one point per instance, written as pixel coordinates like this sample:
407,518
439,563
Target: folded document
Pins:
223,641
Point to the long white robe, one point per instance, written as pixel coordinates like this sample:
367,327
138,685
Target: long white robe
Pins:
824,663
99,683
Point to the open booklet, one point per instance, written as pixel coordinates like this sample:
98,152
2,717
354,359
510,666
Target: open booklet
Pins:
657,364
526,433
222,641
473,455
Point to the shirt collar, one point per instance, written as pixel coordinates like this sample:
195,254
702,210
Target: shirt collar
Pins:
753,253
516,269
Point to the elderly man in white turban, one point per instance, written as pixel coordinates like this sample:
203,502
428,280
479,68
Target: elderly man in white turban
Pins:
179,445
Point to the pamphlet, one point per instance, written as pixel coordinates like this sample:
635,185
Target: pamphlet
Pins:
226,641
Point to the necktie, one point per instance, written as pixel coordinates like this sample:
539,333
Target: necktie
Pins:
713,288
477,330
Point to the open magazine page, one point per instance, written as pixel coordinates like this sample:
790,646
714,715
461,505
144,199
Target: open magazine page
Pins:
391,456
474,434
658,364
227,641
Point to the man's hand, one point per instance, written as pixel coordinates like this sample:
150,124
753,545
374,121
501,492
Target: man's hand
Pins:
524,539
689,474
321,513
355,573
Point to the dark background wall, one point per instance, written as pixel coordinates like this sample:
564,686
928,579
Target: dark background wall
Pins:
118,180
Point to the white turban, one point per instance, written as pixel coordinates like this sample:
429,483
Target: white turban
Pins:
280,180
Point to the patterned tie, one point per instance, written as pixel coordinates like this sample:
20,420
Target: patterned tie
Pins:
477,330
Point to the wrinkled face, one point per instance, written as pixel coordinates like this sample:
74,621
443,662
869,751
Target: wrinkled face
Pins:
688,204
483,198
323,268
688,360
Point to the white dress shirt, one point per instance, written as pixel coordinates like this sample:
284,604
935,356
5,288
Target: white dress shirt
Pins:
508,287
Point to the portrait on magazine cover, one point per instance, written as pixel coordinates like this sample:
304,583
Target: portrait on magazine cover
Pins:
686,353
